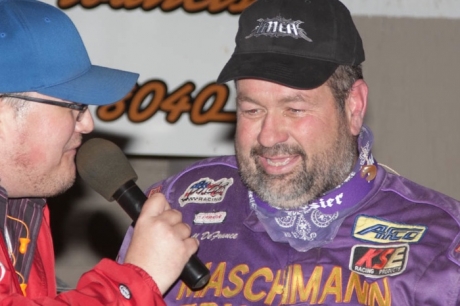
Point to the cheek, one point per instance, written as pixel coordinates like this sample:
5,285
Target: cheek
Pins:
29,153
246,134
40,146
32,148
313,135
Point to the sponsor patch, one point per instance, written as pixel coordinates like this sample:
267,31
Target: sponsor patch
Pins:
155,190
206,191
210,217
381,231
379,261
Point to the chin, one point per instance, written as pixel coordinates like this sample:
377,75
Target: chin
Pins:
64,181
60,187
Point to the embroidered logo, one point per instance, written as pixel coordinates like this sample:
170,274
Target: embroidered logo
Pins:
326,203
205,191
215,235
382,231
279,27
379,261
210,217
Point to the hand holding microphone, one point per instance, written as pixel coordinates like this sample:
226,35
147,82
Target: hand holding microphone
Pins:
161,243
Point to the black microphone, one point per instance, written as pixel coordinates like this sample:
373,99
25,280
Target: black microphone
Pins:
104,167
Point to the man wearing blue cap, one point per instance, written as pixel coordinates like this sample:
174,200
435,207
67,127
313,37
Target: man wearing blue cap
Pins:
304,214
46,84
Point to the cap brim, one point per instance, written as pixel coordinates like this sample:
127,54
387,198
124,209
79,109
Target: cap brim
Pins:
292,71
98,86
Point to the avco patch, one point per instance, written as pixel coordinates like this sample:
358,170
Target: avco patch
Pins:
379,261
381,231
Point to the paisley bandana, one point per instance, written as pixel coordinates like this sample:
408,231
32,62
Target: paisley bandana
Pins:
316,223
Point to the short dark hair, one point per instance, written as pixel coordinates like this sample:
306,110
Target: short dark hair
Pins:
341,82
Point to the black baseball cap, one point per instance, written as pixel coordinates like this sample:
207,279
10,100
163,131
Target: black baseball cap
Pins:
296,43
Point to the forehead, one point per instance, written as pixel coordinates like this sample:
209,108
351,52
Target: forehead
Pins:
254,89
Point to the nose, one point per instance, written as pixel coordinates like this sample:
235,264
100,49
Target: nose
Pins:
86,124
274,130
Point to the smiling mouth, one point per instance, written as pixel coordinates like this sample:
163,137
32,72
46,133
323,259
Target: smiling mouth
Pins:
278,162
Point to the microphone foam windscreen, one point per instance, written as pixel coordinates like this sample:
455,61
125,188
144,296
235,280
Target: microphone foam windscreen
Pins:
104,166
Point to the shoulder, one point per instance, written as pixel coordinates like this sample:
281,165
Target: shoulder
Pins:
424,206
416,193
407,205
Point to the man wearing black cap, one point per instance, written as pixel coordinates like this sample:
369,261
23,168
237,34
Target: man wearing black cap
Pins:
46,84
304,215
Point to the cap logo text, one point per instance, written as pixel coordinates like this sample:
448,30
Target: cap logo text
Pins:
279,27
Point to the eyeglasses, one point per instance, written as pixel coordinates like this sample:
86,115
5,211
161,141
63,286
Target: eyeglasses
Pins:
81,108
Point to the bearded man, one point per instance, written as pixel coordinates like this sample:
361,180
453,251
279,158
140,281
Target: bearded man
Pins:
304,214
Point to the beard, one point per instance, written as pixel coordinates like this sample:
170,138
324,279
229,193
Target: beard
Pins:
327,170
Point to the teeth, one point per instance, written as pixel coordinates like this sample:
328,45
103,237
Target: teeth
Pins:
276,164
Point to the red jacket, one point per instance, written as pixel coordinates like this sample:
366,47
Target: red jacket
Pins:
108,283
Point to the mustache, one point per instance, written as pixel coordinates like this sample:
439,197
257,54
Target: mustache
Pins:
278,149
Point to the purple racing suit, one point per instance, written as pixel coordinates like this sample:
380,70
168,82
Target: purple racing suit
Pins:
397,244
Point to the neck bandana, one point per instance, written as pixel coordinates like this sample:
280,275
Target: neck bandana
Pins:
316,223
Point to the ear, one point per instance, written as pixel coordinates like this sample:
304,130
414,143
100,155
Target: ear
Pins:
356,105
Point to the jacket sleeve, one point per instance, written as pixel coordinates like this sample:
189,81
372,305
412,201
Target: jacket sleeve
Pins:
108,283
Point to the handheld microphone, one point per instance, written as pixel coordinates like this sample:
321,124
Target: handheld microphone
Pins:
104,167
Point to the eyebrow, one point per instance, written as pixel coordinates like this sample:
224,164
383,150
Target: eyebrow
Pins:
243,98
292,98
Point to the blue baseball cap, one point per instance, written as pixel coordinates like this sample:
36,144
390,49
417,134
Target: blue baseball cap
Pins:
42,51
